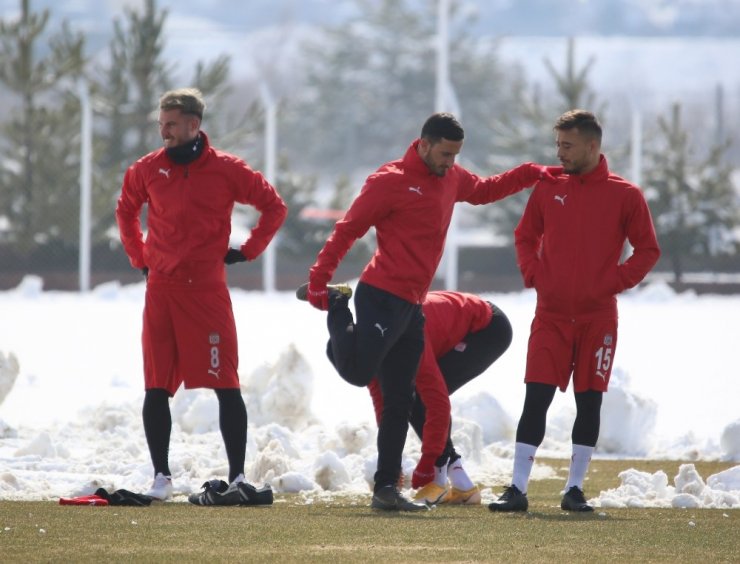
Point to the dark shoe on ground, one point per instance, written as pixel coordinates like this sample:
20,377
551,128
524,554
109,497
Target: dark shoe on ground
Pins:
253,496
574,500
217,492
388,498
238,492
334,290
511,500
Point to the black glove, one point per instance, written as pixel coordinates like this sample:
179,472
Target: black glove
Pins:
233,256
145,272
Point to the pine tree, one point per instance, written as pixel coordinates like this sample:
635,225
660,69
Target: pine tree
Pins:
572,84
127,95
39,178
371,84
526,133
694,204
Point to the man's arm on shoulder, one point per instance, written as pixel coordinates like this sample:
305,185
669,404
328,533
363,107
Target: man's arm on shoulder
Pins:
476,190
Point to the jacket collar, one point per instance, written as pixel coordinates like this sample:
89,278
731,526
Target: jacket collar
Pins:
601,172
412,161
205,148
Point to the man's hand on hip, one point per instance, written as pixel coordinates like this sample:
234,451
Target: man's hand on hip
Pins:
233,256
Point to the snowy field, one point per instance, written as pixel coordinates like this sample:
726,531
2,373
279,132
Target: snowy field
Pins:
71,394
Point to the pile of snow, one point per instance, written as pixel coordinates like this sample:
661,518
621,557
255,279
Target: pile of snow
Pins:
690,491
8,373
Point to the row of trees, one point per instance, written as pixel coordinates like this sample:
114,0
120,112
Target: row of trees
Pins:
365,88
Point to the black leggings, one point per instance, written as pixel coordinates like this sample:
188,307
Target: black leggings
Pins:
387,340
232,421
532,423
482,349
157,428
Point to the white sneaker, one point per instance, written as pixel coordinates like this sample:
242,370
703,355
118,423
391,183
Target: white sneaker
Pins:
161,488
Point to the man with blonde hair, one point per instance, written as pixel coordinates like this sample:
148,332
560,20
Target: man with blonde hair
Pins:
189,333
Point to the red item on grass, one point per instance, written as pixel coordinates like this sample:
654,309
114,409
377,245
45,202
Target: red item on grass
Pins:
83,500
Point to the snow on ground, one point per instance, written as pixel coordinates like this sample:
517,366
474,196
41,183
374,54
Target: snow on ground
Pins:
71,393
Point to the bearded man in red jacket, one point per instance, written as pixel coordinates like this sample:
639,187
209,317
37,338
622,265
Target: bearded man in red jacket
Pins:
189,334
569,245
409,202
463,335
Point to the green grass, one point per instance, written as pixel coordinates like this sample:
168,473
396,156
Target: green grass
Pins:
348,531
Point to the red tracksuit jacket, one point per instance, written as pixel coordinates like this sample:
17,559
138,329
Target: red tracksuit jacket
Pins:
450,316
189,209
411,210
570,239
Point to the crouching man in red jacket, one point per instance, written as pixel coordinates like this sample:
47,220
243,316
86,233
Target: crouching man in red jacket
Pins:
463,336
569,243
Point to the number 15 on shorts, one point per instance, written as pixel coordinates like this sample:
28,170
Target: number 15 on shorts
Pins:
604,357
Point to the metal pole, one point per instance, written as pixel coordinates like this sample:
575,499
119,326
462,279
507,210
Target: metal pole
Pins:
443,59
636,153
85,183
268,264
635,162
443,104
719,105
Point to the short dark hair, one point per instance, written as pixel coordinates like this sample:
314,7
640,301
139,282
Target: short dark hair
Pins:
442,126
187,100
584,121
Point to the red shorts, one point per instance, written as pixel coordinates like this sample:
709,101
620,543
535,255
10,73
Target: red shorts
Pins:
559,346
189,336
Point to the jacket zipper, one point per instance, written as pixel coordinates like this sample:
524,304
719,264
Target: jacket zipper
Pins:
576,263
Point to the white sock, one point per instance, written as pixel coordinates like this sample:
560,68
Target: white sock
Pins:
579,466
440,475
523,462
459,477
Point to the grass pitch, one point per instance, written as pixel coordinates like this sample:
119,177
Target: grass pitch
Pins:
347,530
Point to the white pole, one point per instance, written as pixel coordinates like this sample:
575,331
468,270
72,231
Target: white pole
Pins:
443,104
636,153
635,162
443,59
85,184
268,264
719,109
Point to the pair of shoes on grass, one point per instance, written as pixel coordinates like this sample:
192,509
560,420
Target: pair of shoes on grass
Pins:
238,492
514,500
